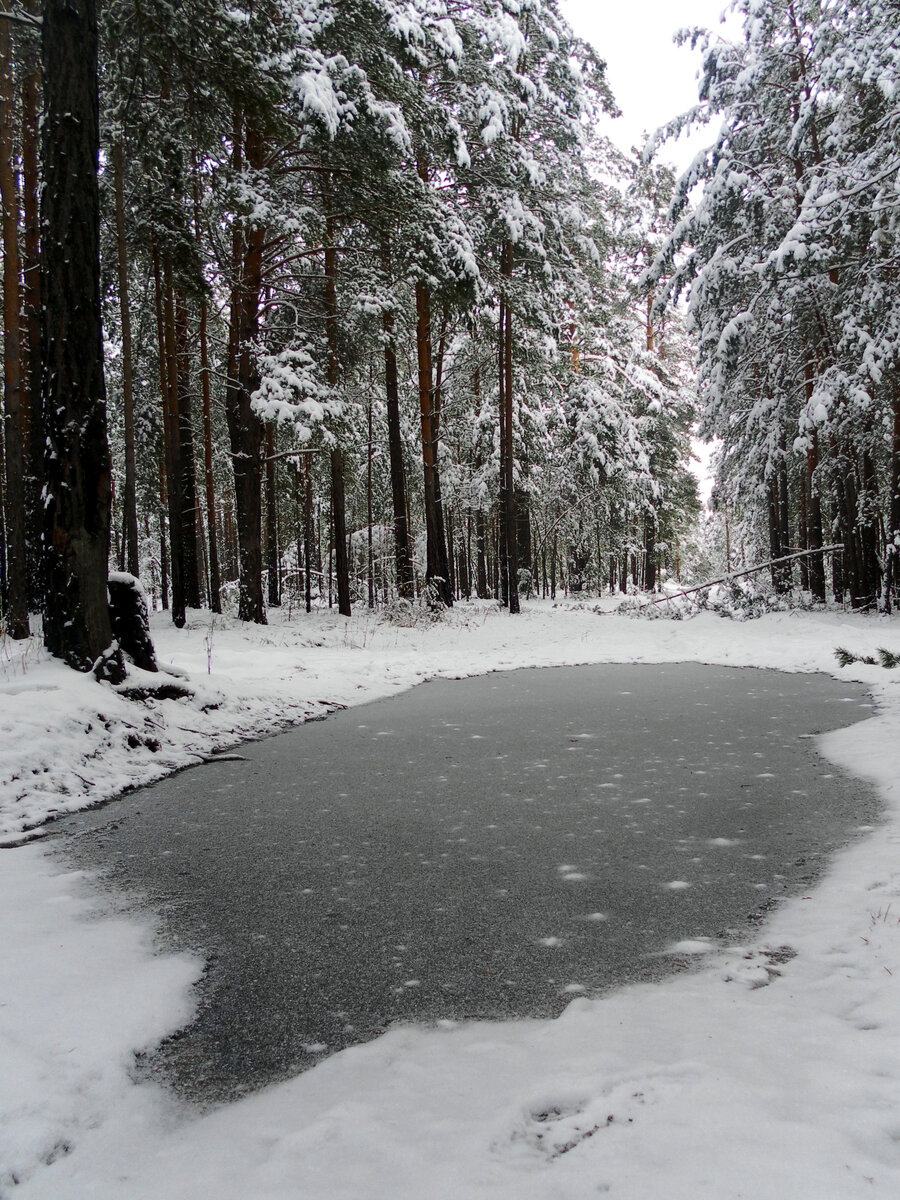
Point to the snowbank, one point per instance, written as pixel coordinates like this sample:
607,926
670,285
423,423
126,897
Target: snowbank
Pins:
772,1071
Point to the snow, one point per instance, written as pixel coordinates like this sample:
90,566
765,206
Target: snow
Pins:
769,1069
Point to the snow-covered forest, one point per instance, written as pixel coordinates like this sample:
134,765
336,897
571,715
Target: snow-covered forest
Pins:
384,316
371,309
341,331
377,313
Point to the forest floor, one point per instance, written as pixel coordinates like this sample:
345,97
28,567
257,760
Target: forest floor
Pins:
772,1070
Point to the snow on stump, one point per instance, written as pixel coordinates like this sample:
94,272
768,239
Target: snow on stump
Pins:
131,620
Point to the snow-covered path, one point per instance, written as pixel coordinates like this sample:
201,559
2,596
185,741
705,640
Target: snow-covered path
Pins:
707,1086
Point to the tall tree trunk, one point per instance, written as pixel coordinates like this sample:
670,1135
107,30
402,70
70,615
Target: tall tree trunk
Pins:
802,528
402,551
784,517
129,498
31,296
437,570
188,483
165,331
338,498
17,570
308,530
868,531
245,429
272,555
73,397
892,556
481,572
370,563
163,542
774,540
507,452
814,523
215,582
650,552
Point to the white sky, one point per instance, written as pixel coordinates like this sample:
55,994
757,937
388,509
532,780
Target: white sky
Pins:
651,78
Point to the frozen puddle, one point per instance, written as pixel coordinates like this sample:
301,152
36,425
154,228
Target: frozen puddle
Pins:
488,847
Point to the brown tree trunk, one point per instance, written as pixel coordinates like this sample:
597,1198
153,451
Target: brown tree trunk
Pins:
814,524
507,454
868,532
370,561
272,555
892,556
481,572
650,552
129,497
437,570
245,429
215,582
31,296
402,551
165,333
785,578
307,530
77,624
16,565
188,483
338,497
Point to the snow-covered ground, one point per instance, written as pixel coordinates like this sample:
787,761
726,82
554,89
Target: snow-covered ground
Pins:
772,1071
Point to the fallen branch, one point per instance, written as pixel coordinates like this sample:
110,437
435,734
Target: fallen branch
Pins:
773,562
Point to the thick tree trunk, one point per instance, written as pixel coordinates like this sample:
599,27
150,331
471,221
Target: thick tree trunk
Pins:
31,329
16,615
73,397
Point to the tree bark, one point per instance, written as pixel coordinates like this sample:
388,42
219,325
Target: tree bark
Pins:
165,337
73,397
892,563
16,563
190,538
272,555
402,551
129,499
215,581
31,296
437,570
338,497
245,429
507,455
